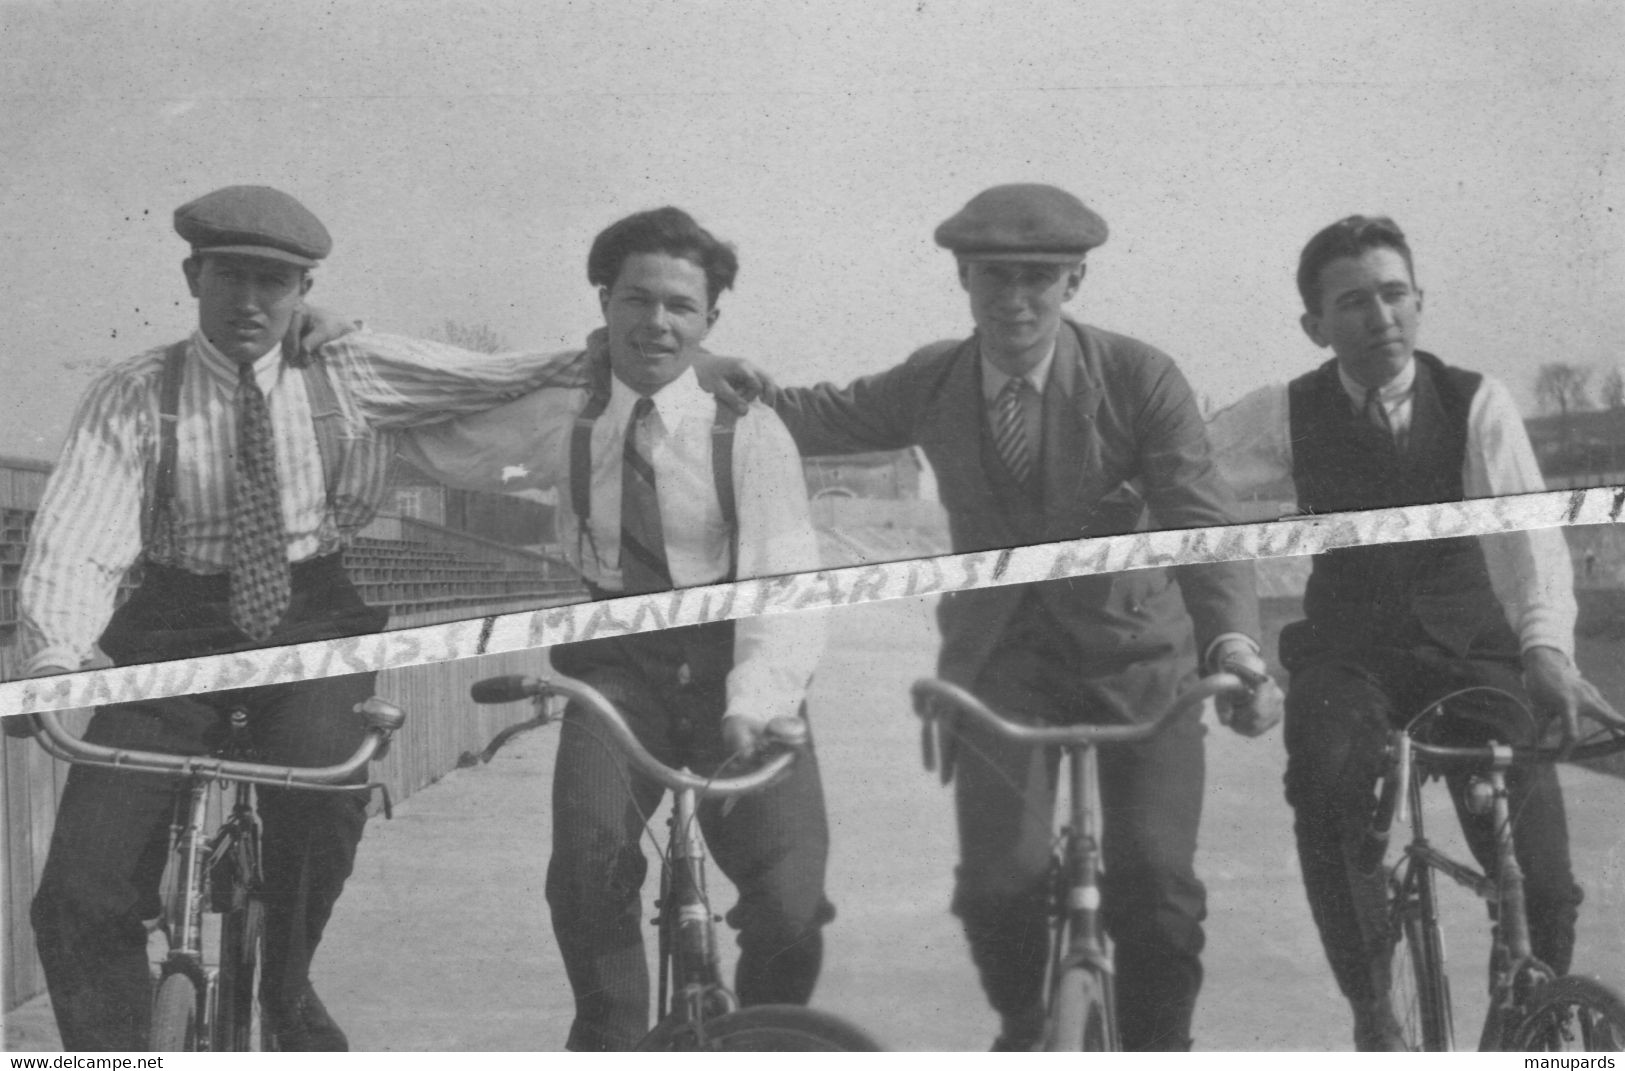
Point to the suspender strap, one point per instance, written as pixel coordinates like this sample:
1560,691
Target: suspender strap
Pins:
722,473
158,526
328,420
722,469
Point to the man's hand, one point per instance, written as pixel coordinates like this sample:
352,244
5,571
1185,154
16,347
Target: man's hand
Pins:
1561,693
734,380
742,736
1259,711
315,327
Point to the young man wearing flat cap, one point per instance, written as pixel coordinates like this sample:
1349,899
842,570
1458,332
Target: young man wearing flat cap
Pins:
233,469
1390,629
1041,428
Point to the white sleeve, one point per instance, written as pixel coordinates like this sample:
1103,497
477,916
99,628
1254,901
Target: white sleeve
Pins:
1531,571
1252,441
774,654
519,447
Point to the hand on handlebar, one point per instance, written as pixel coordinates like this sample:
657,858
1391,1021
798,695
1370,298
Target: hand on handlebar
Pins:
1258,711
745,738
1560,692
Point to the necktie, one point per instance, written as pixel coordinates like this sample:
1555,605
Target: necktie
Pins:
259,545
1010,430
1377,413
643,543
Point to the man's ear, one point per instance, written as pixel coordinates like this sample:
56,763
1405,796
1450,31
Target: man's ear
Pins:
603,302
1074,279
305,283
1311,327
711,317
964,273
192,267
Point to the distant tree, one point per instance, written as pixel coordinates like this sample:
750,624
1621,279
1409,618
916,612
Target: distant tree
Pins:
1561,387
478,337
1611,395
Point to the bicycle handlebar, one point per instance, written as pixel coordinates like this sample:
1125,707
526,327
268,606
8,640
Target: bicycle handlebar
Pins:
782,738
928,689
1504,755
381,717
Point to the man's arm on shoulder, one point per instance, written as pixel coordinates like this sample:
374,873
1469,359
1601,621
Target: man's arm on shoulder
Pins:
875,412
399,382
1531,571
87,532
774,655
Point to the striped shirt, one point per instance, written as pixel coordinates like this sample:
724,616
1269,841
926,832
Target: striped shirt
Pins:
88,531
523,448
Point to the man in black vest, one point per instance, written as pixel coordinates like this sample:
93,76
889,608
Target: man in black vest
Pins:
1389,629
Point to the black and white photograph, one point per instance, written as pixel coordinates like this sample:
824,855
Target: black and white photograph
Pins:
334,320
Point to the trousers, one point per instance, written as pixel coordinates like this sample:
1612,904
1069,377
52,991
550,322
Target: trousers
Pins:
1339,711
1153,904
773,845
109,845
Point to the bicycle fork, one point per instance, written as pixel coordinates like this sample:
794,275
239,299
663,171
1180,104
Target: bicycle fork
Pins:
1080,939
695,965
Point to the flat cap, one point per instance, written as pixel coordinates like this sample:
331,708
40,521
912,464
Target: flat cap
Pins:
1022,221
254,221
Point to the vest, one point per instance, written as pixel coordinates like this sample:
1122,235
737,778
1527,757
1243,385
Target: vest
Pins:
1435,592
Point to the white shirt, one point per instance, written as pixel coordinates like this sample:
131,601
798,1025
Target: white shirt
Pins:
524,448
1530,571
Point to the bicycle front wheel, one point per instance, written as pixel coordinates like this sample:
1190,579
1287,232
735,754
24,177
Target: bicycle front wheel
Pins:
761,1028
1420,989
1572,1014
240,1023
1079,1014
174,1015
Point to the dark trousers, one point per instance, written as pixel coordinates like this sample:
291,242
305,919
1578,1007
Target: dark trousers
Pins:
1338,714
1151,794
109,845
773,845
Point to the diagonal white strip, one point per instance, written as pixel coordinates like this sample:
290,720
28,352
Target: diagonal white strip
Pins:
809,591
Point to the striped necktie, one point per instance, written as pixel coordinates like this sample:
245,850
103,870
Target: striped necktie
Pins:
643,543
259,545
1377,413
1010,430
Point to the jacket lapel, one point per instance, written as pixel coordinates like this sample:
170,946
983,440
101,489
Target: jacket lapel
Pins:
1071,454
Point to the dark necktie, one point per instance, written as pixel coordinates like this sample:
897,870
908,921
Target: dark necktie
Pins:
1010,430
643,543
259,545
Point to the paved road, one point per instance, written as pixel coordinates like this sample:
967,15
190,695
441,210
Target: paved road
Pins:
442,941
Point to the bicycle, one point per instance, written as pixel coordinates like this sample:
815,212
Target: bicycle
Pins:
1531,1007
198,1005
695,1010
1080,1007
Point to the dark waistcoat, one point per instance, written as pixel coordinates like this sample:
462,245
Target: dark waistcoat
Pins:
1399,594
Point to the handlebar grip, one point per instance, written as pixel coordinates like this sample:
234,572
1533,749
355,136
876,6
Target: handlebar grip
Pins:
379,713
506,689
786,733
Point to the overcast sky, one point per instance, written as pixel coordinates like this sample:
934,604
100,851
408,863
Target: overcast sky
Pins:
464,154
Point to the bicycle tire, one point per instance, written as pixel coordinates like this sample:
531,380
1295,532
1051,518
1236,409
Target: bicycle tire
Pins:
240,1023
174,1015
1572,1014
1419,986
1078,1018
761,1028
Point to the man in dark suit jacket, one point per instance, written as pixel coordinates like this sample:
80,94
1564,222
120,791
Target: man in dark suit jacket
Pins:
1039,429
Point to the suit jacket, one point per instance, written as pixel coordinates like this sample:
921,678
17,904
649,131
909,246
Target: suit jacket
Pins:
1124,444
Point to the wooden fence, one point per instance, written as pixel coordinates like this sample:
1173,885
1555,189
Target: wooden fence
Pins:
442,723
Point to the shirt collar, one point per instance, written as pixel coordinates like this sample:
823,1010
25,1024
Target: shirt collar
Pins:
1390,393
993,380
267,367
678,400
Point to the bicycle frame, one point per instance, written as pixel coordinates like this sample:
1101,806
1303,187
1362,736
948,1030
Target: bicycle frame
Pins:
1079,937
691,985
1516,975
